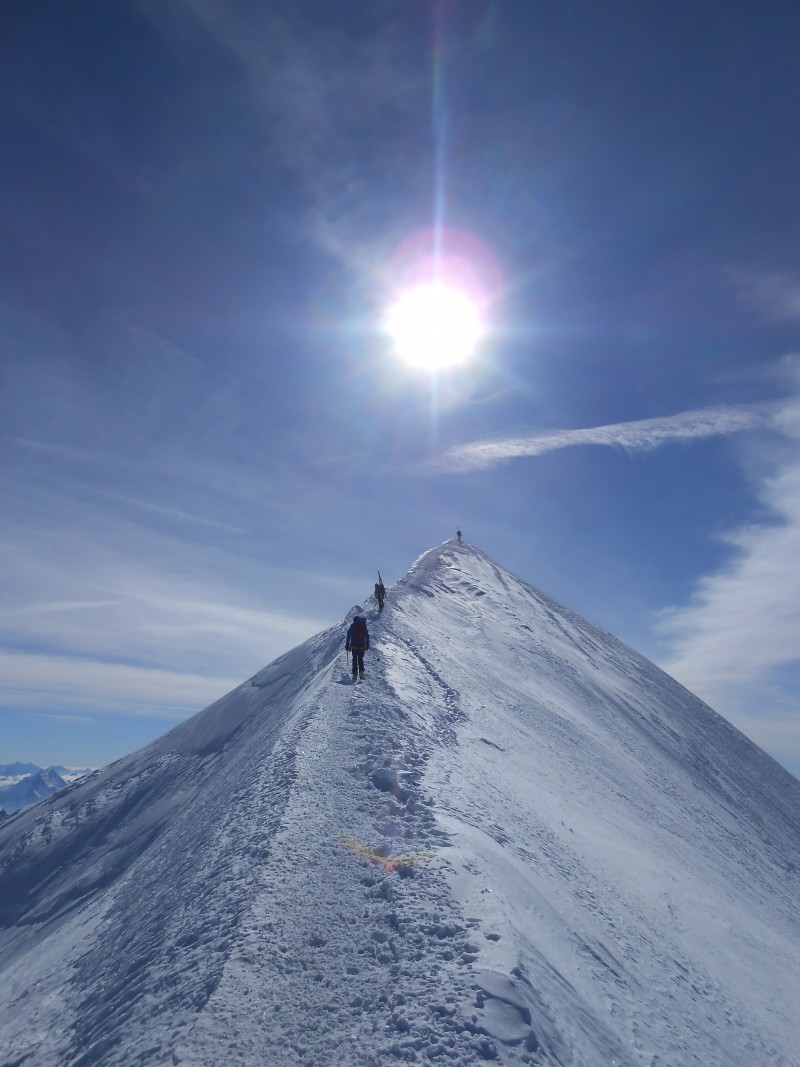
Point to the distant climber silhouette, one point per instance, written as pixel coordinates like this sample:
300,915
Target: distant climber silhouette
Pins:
458,535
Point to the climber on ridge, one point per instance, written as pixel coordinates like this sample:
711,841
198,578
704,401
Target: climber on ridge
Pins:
380,592
458,535
358,643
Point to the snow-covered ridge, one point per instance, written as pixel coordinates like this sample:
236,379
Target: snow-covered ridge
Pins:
516,840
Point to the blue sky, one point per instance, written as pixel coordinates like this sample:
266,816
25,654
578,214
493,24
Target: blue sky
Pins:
208,446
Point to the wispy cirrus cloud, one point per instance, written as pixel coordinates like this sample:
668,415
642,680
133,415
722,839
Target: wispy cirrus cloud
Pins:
639,436
113,613
84,684
736,643
775,294
302,81
95,607
156,647
173,513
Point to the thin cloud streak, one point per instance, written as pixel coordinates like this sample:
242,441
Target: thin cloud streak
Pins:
172,513
32,681
641,436
76,720
151,618
111,618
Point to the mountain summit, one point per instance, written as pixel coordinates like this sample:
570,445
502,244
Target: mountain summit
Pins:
517,840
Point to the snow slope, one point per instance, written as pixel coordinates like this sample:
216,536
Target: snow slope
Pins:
517,840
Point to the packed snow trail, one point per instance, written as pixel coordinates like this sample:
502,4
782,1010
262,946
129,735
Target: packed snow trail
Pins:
378,957
516,841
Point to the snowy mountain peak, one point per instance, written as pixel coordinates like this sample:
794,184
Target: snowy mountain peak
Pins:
21,790
516,840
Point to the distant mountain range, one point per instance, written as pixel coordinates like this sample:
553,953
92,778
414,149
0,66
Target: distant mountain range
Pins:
23,784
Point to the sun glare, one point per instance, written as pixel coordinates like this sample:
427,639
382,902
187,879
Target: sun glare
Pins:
434,326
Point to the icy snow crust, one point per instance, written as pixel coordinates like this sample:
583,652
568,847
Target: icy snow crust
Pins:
517,841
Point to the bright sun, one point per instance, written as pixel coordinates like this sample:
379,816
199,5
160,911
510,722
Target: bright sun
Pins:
434,326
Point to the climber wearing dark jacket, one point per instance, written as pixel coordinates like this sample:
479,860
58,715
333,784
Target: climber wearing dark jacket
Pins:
358,643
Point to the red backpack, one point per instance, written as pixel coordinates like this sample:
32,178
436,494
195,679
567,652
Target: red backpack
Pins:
359,631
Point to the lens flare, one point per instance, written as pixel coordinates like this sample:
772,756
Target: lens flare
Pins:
386,855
